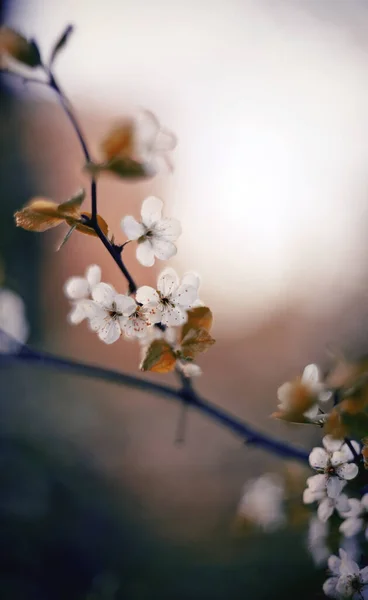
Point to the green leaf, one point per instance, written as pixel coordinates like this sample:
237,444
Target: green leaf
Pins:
61,43
16,45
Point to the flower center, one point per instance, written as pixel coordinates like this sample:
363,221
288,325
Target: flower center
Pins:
113,312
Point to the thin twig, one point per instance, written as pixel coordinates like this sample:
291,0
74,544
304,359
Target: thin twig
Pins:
357,456
190,397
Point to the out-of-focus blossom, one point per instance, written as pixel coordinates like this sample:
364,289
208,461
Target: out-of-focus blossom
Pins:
317,541
347,581
334,463
13,321
171,300
78,289
152,141
262,502
299,400
188,369
156,235
357,518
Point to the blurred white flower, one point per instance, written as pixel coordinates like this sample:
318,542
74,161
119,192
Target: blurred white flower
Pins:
316,492
154,233
347,581
334,461
317,541
151,140
78,289
357,518
13,321
262,502
171,300
188,369
309,387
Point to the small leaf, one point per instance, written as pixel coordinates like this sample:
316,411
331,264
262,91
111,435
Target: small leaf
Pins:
127,168
159,358
199,317
119,143
194,342
66,238
61,43
39,214
16,45
71,208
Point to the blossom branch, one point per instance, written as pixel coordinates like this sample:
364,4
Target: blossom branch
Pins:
187,395
114,251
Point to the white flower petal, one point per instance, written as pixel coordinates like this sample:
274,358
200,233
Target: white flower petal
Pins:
334,486
334,563
329,587
342,504
346,454
151,210
132,229
185,296
98,319
135,327
355,507
191,278
317,483
284,394
331,444
79,312
93,275
76,288
364,575
163,249
124,304
173,316
145,254
147,295
190,369
167,229
110,332
168,282
165,141
104,294
312,412
364,501
351,526
311,375
344,586
318,458
325,509
347,471
348,566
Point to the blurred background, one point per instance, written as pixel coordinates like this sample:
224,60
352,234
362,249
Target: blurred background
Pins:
268,99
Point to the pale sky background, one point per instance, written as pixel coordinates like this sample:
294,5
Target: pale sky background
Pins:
269,100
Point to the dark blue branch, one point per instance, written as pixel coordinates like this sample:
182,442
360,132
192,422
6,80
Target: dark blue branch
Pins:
188,395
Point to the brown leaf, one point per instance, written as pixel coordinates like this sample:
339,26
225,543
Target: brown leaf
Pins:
194,342
159,358
71,208
199,317
119,143
16,45
61,42
39,214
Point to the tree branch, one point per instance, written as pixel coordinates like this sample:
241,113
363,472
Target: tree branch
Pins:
187,395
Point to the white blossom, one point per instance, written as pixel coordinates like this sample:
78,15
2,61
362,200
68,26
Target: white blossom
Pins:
171,300
152,141
108,312
78,290
311,385
13,321
189,369
334,463
357,518
262,502
347,581
156,235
